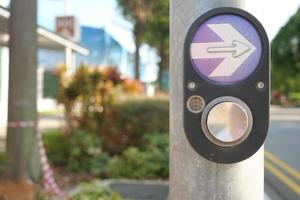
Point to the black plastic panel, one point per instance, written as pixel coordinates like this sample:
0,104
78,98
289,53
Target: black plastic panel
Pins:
247,91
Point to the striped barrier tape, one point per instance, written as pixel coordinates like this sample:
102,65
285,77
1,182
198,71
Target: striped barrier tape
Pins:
20,124
48,178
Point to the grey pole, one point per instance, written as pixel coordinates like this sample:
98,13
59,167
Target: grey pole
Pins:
192,177
22,160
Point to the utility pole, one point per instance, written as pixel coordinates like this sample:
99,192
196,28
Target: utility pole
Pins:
22,161
192,176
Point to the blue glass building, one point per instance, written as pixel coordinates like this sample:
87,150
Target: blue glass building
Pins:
104,51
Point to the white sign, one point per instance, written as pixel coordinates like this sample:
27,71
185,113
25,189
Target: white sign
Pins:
68,27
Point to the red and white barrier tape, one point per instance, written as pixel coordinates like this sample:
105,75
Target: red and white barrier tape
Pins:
20,124
48,178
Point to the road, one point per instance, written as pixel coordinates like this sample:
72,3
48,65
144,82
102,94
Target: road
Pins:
282,155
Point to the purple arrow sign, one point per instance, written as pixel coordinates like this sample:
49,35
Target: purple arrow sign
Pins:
226,49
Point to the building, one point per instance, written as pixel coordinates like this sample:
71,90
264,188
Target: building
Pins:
106,50
111,45
46,40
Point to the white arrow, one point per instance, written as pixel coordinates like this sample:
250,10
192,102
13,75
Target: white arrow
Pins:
235,49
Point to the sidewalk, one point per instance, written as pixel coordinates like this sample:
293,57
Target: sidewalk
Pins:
141,189
284,114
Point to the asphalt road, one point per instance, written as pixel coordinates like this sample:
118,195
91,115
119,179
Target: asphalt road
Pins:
282,155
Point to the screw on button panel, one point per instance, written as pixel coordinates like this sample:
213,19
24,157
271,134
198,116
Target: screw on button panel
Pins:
192,85
260,85
195,104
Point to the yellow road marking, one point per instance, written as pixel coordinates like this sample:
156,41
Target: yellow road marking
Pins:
282,177
293,172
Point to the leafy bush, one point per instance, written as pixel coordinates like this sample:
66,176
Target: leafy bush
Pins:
81,152
286,57
89,93
57,147
295,96
95,191
128,120
147,163
95,101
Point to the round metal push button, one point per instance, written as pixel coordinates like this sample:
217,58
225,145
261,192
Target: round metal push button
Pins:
227,121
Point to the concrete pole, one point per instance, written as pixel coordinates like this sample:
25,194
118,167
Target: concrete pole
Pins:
22,160
192,177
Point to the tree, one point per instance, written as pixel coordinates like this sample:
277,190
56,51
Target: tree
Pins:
22,160
137,11
157,34
286,57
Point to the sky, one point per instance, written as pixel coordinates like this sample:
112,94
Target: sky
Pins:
273,14
95,13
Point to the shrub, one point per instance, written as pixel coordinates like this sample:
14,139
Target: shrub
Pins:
82,152
147,163
95,191
57,147
89,93
128,120
94,102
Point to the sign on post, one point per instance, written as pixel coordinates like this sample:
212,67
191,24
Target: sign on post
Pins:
226,81
68,27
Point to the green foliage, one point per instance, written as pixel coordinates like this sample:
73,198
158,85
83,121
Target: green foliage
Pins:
89,95
86,153
95,191
146,163
157,34
286,57
103,121
57,147
82,152
137,11
89,88
128,120
94,101
295,96
151,25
